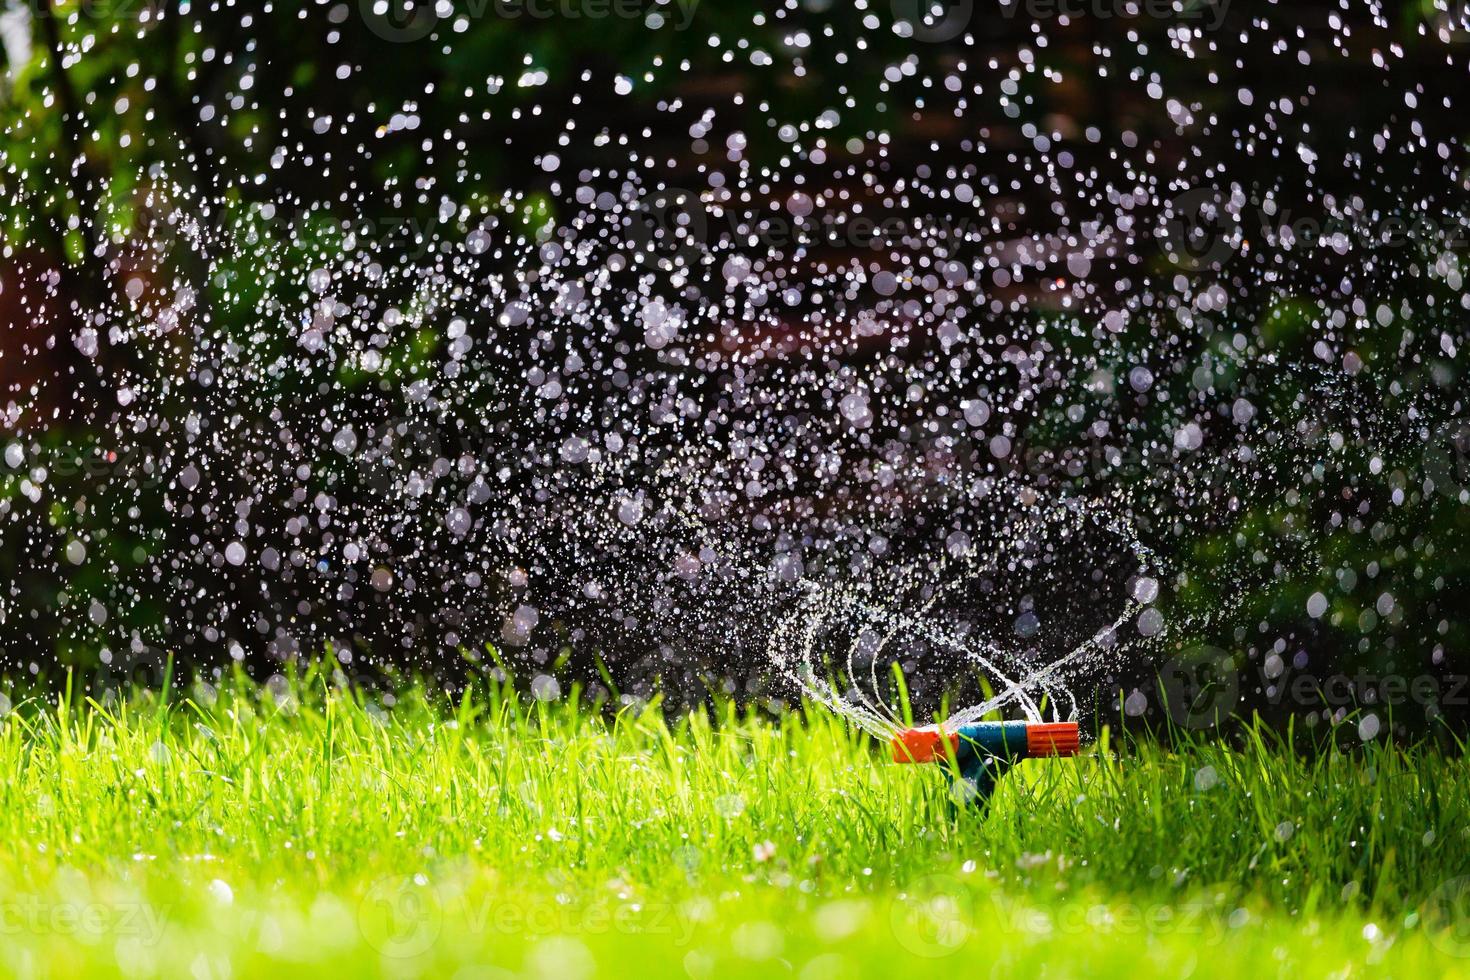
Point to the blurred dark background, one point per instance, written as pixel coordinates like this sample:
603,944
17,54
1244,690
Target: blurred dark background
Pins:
351,121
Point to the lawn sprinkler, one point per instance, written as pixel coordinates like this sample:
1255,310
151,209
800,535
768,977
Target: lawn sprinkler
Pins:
983,751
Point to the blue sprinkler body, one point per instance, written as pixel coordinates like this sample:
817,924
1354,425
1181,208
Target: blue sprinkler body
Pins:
984,750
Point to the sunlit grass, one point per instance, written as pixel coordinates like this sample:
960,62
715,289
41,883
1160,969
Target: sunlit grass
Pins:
298,827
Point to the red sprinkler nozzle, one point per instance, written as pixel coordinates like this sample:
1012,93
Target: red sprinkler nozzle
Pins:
1059,738
985,749
923,744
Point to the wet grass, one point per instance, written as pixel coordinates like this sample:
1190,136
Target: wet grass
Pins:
299,829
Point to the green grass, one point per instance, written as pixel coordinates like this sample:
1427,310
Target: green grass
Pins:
303,830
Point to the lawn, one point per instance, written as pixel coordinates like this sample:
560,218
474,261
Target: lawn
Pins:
298,829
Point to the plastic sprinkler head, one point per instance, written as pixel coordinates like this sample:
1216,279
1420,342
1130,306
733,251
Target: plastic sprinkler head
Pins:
984,750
